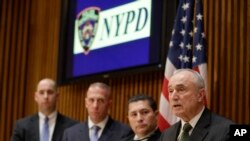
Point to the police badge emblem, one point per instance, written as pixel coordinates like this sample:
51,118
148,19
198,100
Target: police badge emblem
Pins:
87,21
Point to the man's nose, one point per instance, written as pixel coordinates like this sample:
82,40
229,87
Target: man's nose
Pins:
174,95
46,95
139,117
95,103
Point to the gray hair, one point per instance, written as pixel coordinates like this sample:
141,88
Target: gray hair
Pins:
102,86
199,80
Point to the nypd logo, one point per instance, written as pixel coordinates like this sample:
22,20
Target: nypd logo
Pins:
87,21
96,28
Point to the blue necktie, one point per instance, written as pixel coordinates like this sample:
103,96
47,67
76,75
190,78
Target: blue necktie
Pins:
45,130
94,136
185,134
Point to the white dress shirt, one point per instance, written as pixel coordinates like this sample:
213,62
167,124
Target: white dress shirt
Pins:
52,123
101,124
192,122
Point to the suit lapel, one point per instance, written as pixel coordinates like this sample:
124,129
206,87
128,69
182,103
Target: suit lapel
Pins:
34,130
84,132
155,135
129,137
200,131
107,132
58,128
175,131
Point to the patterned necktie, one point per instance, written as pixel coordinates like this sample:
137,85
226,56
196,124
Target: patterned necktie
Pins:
94,136
45,130
185,134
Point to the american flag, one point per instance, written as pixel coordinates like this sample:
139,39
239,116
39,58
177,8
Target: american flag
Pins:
186,50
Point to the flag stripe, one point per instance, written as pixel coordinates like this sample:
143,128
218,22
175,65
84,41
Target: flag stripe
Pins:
186,50
167,114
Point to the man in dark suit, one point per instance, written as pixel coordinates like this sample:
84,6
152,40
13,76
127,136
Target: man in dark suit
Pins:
186,96
32,128
142,115
99,126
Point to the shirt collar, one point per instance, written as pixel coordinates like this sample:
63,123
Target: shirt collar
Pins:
100,124
53,115
145,137
194,120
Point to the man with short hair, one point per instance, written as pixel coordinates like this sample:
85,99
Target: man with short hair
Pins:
99,126
48,124
142,116
186,90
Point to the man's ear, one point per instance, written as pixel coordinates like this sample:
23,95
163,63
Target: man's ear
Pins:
110,102
86,102
35,98
156,112
202,95
57,94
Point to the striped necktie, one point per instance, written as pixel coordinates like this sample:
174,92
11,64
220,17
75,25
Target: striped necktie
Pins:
94,136
185,134
45,130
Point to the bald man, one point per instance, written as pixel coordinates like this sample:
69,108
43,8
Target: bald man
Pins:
32,128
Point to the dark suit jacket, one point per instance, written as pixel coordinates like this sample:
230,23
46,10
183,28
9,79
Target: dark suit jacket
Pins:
113,131
210,127
27,129
154,137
